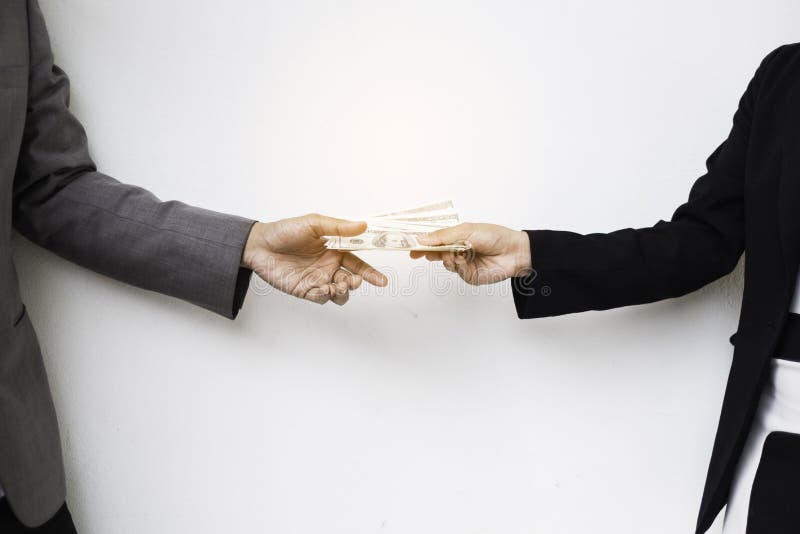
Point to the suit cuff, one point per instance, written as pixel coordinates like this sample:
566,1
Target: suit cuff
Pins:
243,274
533,294
218,281
240,292
522,287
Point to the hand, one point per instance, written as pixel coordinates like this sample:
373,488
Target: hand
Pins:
290,255
497,252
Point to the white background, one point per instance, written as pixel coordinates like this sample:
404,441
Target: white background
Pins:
423,409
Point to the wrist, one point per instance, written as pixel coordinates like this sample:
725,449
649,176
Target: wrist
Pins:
522,253
252,246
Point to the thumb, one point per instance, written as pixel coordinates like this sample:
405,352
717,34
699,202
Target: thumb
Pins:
322,225
445,236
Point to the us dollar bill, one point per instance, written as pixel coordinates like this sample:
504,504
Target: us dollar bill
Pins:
446,205
398,230
391,240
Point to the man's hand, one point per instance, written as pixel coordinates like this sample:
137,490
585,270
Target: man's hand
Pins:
290,255
497,252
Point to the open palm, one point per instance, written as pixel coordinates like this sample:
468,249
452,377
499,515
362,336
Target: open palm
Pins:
291,256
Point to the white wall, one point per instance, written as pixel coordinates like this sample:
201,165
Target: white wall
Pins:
420,409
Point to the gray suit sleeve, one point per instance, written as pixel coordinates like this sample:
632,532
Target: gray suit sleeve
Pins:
62,203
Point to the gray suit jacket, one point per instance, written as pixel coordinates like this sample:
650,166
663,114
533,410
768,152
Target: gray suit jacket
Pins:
51,192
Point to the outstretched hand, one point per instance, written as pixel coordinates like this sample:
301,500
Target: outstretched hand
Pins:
497,252
291,256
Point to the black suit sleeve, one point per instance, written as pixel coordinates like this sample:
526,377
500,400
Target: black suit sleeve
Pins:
701,243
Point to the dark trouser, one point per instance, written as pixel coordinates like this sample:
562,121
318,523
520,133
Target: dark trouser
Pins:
774,501
61,523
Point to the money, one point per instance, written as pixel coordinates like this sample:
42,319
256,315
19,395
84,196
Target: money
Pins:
398,230
390,241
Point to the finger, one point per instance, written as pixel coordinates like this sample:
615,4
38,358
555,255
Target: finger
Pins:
449,265
355,281
356,265
320,295
340,288
341,276
322,225
341,283
311,279
340,299
430,256
446,236
352,281
460,259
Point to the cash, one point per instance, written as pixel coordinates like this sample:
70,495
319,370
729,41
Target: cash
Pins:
398,230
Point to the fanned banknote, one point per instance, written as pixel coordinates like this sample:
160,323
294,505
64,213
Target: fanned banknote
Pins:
398,230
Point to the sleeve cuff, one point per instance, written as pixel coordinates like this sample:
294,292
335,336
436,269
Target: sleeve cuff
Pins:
523,287
533,294
243,275
223,287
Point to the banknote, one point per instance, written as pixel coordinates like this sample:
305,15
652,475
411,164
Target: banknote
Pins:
399,229
446,205
390,241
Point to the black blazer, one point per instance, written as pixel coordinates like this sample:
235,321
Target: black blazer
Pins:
748,200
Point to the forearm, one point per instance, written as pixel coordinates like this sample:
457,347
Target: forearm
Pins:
623,268
702,242
125,232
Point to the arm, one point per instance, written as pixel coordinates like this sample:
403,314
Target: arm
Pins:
702,242
62,203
